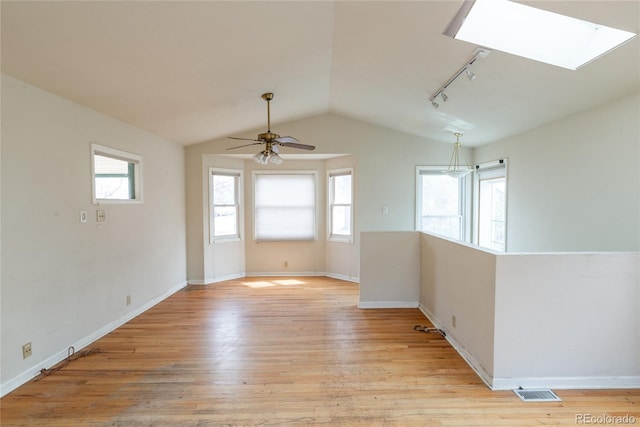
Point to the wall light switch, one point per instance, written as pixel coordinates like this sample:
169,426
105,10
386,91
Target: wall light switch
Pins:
101,215
83,216
385,210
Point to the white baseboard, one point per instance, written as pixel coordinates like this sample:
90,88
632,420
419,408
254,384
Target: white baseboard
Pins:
468,357
218,279
387,304
286,273
575,383
12,384
343,277
212,280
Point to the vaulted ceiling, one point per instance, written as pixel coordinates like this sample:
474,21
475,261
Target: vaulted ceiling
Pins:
194,71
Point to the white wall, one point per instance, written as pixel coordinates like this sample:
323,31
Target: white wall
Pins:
574,185
380,179
343,258
65,283
560,320
567,319
390,269
459,280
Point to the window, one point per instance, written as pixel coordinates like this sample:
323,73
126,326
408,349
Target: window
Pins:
341,205
284,206
116,175
442,203
491,205
225,206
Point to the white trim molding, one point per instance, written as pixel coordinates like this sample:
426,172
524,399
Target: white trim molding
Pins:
387,304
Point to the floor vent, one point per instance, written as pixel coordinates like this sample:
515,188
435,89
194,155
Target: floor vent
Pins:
537,395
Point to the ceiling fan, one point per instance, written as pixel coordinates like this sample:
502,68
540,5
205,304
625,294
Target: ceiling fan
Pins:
271,141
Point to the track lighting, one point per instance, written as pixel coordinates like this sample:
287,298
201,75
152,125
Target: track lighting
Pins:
478,53
470,74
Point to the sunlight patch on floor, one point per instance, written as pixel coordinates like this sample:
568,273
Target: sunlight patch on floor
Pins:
271,283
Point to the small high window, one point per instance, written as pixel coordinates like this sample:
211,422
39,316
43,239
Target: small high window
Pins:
117,175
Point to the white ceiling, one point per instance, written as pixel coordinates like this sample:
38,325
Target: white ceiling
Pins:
194,71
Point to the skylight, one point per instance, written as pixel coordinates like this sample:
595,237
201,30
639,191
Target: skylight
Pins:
534,33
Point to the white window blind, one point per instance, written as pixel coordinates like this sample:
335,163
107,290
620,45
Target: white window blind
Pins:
285,206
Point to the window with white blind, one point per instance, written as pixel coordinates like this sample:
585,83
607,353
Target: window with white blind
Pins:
284,205
341,205
225,204
117,175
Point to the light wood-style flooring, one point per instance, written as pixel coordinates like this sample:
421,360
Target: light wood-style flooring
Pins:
283,352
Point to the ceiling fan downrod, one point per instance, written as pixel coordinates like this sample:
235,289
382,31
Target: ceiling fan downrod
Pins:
268,97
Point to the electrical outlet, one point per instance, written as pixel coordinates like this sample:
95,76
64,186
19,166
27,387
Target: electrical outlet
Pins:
128,299
101,215
453,320
26,350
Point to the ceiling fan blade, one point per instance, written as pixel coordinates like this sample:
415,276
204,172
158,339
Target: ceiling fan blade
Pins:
243,139
285,139
245,145
297,145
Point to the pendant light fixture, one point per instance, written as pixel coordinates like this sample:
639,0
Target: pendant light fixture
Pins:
456,170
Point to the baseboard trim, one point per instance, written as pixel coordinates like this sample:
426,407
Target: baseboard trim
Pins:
387,304
343,277
575,383
213,280
286,273
468,357
12,384
218,279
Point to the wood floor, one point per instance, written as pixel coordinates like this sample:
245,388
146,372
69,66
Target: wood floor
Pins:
268,351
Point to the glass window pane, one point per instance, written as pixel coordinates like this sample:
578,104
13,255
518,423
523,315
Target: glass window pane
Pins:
342,189
112,188
341,220
224,190
108,165
225,221
440,195
492,213
445,226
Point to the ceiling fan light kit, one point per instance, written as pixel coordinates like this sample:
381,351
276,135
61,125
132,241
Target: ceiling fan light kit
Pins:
271,141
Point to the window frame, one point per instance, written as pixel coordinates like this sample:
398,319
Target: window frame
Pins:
238,192
485,171
134,171
314,174
464,200
332,173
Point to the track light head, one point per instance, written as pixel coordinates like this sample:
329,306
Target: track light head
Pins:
470,74
444,96
435,104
